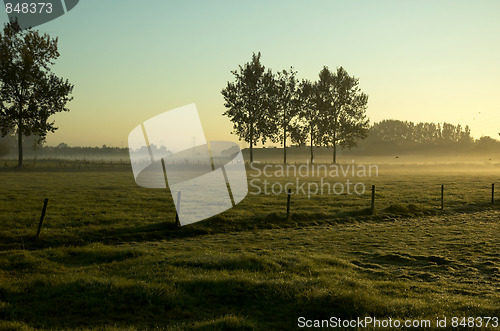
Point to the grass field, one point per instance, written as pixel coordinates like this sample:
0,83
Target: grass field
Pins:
110,257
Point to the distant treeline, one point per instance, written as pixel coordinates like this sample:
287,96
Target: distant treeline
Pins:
394,136
384,138
8,148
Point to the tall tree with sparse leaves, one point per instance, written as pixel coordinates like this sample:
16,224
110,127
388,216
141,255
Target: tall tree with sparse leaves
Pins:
29,92
248,102
343,109
310,121
285,107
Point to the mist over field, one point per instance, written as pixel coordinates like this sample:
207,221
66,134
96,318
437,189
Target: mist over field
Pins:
389,142
393,156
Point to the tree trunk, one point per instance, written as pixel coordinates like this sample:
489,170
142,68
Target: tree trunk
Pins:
251,150
20,144
312,152
334,152
251,143
284,147
284,135
335,141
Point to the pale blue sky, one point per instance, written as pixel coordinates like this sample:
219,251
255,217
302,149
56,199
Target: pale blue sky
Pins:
417,60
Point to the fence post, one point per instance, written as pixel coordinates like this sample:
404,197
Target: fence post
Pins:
289,193
373,200
442,197
493,193
177,221
45,202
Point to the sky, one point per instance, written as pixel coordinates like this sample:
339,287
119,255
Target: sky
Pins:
421,61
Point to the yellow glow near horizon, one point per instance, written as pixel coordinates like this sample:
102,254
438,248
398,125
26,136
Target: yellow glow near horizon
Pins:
422,62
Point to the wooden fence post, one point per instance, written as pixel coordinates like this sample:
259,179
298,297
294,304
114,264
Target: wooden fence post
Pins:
442,197
45,202
373,200
493,193
289,193
177,221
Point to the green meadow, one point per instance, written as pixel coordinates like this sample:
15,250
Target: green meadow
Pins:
109,256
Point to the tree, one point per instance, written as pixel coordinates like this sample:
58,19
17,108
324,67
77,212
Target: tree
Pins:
29,92
248,102
394,131
487,144
343,108
310,116
465,136
285,107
